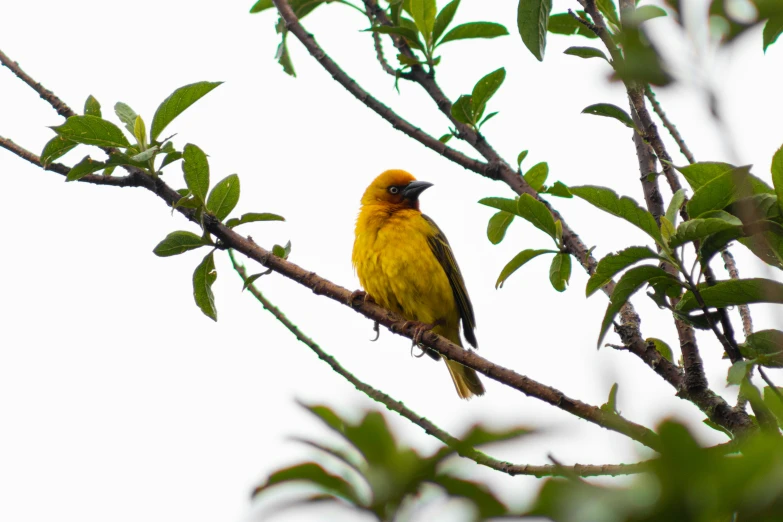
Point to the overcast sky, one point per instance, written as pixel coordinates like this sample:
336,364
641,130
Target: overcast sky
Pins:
121,401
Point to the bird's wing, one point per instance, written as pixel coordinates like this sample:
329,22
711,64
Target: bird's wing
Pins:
442,251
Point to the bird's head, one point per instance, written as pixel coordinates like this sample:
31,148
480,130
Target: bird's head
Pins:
395,188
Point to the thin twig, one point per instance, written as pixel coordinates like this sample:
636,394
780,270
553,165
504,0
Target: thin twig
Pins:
376,39
774,388
669,125
479,457
56,103
744,310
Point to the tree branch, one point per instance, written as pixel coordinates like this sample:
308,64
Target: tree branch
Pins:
669,125
394,323
56,103
479,457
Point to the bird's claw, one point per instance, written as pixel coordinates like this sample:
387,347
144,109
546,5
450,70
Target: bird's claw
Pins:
377,329
358,298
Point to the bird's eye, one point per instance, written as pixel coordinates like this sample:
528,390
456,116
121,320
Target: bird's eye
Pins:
393,190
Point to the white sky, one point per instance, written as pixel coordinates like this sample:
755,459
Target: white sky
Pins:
120,401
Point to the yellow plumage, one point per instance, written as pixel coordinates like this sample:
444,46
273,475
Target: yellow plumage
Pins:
405,263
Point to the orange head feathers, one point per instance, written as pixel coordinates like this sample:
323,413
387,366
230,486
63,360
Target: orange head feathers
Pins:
395,188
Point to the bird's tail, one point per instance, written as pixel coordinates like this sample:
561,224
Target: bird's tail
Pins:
465,380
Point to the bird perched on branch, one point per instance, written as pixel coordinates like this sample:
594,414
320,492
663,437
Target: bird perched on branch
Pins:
405,263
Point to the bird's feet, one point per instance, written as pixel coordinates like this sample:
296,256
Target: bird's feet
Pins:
358,298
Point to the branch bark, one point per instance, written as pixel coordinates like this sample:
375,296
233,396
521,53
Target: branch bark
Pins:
479,457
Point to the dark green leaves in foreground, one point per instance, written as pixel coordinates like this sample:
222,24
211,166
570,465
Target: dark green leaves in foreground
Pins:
532,21
371,460
469,109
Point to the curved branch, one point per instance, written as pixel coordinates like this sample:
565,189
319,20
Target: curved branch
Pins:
56,103
479,457
320,286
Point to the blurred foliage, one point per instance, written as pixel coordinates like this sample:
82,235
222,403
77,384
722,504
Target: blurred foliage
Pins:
376,475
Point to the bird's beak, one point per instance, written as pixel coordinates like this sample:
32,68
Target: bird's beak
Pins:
414,188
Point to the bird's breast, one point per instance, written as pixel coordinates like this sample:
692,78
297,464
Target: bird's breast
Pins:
396,266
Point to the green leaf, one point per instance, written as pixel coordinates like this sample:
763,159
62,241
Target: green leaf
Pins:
196,169
772,30
444,18
717,427
609,10
696,229
519,260
146,155
478,494
282,252
84,167
765,346
521,157
224,197
559,189
734,292
170,158
178,242
497,226
56,148
773,402
203,278
253,216
445,138
478,435
312,474
484,89
641,62
777,175
282,55
610,406
532,21
721,191
461,110
410,35
536,176
628,285
667,230
614,263
92,107
560,271
738,371
625,207
126,115
249,280
423,13
585,52
674,206
645,12
261,5
698,174
564,23
487,118
610,111
92,130
528,208
140,131
662,348
176,104
474,30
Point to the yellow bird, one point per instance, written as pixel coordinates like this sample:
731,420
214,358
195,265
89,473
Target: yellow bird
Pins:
405,263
